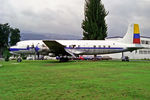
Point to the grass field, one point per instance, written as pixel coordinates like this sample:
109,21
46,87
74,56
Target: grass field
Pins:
82,80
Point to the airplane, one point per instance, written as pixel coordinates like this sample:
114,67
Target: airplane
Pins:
64,48
34,47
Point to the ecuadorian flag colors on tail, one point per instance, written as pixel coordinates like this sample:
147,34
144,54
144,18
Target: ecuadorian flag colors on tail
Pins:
136,37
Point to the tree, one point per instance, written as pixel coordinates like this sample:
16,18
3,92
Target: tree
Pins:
4,35
15,36
8,35
94,25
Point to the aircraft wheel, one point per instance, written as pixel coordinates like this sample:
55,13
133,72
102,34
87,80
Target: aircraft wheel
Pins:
64,59
19,60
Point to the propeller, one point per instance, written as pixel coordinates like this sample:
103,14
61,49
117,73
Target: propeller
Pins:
37,50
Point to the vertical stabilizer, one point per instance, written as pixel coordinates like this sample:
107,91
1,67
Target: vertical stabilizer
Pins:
133,35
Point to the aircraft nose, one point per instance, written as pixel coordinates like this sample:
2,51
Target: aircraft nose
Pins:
10,48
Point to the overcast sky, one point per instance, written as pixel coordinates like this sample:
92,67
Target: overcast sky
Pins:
65,16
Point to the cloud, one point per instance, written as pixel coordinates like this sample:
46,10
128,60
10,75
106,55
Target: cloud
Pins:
44,16
122,13
65,17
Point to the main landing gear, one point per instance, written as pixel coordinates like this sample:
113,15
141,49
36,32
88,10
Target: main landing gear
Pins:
124,58
62,58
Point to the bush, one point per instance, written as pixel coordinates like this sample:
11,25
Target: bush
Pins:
6,55
7,58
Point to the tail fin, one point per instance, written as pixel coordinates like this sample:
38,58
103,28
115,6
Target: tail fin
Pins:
133,35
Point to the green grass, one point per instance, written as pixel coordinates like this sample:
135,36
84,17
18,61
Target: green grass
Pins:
81,80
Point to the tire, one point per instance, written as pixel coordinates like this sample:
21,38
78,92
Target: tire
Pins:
19,60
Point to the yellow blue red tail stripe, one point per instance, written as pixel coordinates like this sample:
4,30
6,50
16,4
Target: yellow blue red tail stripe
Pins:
136,37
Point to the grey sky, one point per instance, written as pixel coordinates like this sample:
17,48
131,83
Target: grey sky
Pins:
65,16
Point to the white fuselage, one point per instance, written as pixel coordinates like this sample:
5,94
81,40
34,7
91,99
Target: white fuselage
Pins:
29,47
90,47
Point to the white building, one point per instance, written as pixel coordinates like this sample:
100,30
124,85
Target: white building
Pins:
137,54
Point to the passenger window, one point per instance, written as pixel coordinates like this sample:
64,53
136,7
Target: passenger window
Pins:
32,46
73,46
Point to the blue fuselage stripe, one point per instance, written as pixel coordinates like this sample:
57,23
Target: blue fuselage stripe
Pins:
16,49
91,48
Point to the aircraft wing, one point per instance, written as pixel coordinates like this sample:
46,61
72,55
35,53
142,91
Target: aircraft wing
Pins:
136,47
55,47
